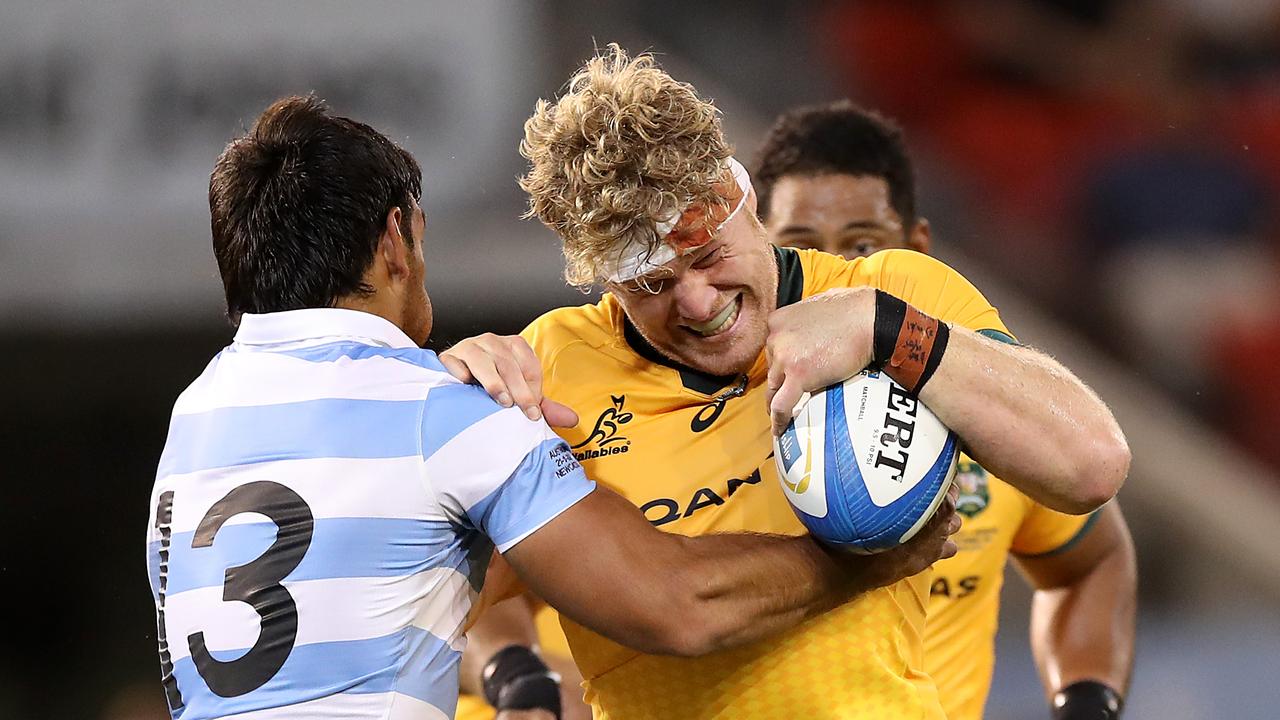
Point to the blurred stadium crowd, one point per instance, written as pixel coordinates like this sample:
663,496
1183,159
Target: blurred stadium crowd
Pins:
1127,160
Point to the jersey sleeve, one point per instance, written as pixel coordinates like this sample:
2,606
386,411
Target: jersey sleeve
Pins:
550,336
1047,532
494,470
926,283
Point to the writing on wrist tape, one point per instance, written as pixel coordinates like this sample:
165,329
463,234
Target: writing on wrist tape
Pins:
906,343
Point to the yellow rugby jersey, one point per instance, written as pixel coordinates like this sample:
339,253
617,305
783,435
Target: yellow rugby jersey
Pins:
551,641
964,599
694,453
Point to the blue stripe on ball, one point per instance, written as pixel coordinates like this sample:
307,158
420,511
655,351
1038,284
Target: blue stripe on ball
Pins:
853,521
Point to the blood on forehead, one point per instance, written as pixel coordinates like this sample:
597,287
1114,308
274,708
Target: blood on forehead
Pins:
682,233
697,226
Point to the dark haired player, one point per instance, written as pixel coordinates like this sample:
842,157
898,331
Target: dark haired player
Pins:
837,178
329,496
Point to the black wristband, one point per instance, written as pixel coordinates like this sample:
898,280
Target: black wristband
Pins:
890,314
515,678
906,343
935,355
1087,700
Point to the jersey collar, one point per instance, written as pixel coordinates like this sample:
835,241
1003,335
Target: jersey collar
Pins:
790,290
292,326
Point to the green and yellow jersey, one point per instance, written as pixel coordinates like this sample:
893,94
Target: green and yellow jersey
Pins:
964,600
694,453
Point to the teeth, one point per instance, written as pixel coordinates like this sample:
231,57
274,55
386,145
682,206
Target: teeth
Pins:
722,320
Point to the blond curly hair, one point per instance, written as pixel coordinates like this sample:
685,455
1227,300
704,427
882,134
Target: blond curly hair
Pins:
623,148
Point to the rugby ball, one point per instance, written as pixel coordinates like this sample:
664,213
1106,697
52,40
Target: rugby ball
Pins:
864,463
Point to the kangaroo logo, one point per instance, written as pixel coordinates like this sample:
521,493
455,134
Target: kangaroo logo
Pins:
975,493
605,432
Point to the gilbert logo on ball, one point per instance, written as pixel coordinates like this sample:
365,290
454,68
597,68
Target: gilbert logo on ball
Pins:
864,463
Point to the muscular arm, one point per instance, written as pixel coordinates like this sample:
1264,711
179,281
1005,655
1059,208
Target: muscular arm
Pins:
1082,614
509,622
1019,412
603,565
1029,420
512,622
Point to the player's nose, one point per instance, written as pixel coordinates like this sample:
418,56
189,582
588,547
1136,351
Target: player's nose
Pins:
697,300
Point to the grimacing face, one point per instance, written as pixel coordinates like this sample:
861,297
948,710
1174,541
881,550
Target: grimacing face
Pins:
848,215
709,310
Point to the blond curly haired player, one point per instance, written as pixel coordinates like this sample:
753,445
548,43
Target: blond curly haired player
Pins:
706,339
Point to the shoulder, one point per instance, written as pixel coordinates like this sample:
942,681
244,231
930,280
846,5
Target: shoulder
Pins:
1044,531
816,271
594,324
569,332
936,289
885,270
900,269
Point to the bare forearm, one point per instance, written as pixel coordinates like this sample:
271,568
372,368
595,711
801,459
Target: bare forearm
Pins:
1029,420
767,589
668,594
1019,412
1079,634
509,622
674,595
1082,623
747,587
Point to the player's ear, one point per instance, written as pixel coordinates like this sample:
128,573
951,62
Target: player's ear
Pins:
393,247
920,239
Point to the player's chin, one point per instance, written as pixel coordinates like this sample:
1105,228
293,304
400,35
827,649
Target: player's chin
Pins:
723,356
719,366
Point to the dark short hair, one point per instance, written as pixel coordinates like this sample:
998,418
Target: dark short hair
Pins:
298,203
837,138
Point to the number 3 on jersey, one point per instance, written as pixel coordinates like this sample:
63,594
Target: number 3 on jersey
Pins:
256,583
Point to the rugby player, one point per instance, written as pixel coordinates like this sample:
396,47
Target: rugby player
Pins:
838,178
700,349
329,496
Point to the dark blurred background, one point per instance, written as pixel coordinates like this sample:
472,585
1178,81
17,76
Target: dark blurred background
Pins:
1107,171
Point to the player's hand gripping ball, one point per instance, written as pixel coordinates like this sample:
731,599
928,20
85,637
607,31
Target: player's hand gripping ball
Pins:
865,464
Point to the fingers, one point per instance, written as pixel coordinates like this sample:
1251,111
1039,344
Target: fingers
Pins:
944,523
783,403
772,383
558,415
949,549
530,366
506,367
456,367
484,370
934,530
512,375
530,369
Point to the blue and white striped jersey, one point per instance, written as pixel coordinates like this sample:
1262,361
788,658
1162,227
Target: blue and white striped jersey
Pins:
323,513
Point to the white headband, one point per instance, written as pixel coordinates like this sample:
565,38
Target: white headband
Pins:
637,259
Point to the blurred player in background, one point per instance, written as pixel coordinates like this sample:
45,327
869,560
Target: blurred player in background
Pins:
522,622
329,495
707,333
837,178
